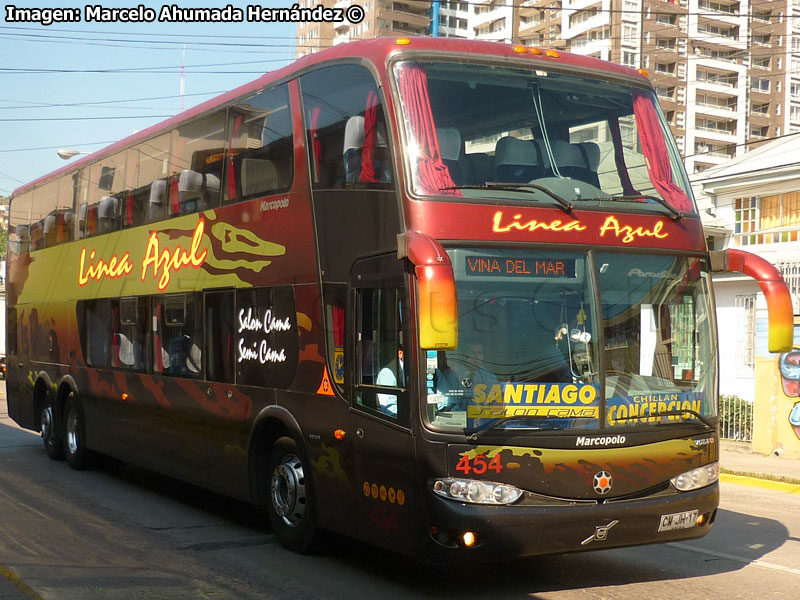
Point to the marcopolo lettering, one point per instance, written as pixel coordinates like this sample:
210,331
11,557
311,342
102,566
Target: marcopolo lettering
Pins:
606,440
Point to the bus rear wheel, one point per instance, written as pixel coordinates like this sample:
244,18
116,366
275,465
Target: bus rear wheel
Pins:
291,496
78,456
47,425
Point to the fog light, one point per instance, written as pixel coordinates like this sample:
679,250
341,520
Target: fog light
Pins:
468,539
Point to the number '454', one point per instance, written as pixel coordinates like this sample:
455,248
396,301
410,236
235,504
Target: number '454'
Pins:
479,464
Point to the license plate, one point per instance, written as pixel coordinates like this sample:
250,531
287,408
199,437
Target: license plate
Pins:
681,520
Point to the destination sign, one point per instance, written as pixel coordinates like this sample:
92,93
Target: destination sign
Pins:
483,266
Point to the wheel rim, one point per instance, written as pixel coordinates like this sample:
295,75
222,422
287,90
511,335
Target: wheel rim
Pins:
72,431
289,490
47,423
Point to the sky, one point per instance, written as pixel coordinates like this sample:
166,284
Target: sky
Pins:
85,85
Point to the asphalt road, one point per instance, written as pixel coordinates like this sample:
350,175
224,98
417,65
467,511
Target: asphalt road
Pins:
121,532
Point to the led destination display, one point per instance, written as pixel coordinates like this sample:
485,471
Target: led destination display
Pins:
483,266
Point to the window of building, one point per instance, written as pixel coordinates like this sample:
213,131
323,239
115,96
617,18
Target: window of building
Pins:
745,219
760,84
629,58
761,62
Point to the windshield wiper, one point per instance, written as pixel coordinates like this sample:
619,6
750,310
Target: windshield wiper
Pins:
480,432
671,413
515,187
674,212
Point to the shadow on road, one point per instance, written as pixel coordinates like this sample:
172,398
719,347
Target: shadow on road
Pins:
520,577
406,577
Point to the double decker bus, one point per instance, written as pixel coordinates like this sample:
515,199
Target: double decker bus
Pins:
452,298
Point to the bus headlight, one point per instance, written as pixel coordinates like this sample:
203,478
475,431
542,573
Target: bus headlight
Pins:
475,491
696,478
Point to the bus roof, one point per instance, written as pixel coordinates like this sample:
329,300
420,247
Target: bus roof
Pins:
376,50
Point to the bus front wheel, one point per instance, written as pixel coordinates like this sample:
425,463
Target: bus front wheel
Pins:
78,456
291,496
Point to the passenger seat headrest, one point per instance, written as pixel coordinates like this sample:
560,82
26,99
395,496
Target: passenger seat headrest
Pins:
592,153
354,133
568,155
107,208
514,151
449,143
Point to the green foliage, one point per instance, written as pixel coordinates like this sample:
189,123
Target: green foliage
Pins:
736,418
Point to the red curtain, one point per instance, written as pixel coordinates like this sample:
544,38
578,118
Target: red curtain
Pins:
316,144
129,209
367,151
432,175
656,155
237,126
338,326
174,196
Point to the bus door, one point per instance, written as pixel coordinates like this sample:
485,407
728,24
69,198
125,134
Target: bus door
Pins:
381,401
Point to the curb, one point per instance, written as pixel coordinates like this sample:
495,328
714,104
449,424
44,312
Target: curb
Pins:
791,488
17,582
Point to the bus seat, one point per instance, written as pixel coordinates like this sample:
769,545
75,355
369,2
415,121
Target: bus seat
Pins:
573,161
157,202
66,226
258,175
125,354
451,151
24,236
479,166
592,152
190,188
184,356
82,214
353,144
516,160
107,214
49,230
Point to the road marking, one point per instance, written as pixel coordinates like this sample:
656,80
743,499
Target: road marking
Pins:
18,583
742,559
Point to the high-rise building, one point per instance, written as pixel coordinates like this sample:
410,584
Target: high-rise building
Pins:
727,72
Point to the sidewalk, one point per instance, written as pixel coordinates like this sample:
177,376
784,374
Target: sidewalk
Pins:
740,465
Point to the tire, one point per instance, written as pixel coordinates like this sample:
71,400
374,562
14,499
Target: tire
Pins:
290,501
47,425
78,456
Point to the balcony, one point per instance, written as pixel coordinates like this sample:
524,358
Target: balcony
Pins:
416,17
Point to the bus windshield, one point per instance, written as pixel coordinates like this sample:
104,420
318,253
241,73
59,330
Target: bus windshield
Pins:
499,133
537,352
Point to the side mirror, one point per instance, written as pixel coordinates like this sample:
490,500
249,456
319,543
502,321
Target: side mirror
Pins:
776,292
438,305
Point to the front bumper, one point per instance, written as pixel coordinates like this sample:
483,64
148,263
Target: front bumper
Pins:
511,531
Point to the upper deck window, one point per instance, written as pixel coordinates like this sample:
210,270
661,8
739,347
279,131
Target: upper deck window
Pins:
260,158
470,128
347,137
